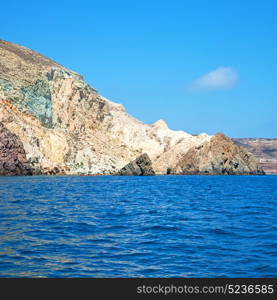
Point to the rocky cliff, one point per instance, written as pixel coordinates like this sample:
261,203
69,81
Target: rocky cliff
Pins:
12,154
265,150
219,156
66,127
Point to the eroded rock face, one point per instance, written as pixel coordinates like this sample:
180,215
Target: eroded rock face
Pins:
12,154
66,127
167,160
219,156
265,150
142,166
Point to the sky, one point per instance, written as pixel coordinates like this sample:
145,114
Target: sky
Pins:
202,66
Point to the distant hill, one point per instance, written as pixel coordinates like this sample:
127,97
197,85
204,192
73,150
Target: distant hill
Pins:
265,151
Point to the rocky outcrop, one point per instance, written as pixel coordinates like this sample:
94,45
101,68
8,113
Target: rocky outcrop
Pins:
142,166
265,150
167,160
12,155
66,127
219,156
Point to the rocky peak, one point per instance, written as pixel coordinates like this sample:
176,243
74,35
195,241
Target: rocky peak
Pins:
160,124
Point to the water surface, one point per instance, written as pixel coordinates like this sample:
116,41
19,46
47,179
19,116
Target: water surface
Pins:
161,226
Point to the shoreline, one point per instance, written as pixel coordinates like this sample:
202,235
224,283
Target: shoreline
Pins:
156,175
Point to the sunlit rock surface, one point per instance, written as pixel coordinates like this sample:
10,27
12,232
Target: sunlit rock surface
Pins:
66,127
219,156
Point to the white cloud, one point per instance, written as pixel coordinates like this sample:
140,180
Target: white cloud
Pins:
220,78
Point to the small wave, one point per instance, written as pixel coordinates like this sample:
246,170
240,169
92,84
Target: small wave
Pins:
170,226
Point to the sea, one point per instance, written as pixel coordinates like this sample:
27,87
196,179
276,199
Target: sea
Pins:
153,226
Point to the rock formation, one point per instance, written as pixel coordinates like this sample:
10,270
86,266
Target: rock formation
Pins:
219,156
12,154
265,150
66,127
142,166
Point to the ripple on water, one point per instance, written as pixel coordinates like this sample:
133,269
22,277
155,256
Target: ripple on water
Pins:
162,226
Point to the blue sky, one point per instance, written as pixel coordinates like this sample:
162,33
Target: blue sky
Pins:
202,66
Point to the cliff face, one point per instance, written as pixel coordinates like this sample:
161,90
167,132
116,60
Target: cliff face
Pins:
66,127
219,156
265,150
12,154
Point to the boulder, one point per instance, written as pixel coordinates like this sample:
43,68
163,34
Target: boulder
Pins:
141,166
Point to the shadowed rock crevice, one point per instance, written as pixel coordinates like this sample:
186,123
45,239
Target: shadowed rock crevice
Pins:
142,166
12,154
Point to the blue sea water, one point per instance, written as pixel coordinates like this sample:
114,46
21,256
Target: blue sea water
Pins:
161,226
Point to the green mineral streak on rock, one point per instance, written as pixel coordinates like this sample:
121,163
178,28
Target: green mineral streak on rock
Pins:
5,85
36,100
